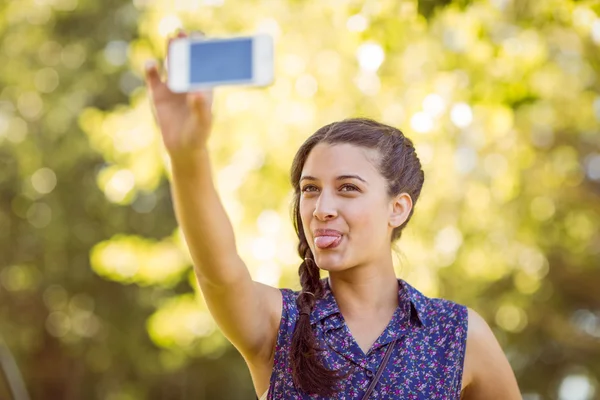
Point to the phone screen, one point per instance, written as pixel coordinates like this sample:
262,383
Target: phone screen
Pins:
229,60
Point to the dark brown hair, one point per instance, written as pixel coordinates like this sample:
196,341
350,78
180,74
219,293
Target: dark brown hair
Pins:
401,168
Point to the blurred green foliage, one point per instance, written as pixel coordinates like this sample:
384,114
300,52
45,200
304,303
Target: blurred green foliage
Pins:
501,97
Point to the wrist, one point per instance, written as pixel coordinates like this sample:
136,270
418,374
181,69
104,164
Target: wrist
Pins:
188,160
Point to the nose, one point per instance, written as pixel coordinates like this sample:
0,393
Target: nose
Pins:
325,208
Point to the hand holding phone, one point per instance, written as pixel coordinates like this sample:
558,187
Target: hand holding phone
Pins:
184,119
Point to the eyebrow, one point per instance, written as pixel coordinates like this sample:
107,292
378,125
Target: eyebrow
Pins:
339,178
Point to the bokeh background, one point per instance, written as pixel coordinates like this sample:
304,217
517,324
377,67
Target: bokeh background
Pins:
501,97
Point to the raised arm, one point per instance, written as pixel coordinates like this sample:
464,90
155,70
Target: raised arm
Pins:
247,312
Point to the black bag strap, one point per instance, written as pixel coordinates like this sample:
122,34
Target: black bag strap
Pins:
388,353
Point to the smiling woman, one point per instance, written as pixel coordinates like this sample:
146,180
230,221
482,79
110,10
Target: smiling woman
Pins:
361,333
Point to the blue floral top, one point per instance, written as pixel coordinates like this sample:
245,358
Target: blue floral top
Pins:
426,363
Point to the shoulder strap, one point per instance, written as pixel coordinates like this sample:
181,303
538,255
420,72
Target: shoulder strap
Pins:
388,353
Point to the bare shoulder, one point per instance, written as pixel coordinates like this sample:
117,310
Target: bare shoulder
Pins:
487,373
479,333
273,305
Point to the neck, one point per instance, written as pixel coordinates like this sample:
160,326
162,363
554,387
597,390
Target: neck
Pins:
359,292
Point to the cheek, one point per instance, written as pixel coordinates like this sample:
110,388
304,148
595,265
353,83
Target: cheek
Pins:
305,215
367,224
363,225
304,210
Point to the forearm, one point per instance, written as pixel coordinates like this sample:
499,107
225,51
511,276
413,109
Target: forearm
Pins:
205,224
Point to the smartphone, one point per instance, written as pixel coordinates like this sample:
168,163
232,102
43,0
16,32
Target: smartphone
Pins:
198,63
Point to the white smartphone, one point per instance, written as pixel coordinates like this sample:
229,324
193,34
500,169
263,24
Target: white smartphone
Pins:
197,63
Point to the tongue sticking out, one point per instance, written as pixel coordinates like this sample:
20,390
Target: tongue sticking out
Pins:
323,242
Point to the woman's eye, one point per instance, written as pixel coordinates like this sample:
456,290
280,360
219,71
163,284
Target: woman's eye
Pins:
344,188
349,187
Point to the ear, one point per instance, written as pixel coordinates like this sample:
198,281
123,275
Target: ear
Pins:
400,207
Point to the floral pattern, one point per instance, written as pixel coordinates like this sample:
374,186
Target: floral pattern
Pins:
426,363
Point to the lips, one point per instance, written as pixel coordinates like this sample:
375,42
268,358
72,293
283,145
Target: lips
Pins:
327,238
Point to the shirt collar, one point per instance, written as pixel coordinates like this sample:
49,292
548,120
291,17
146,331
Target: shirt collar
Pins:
327,305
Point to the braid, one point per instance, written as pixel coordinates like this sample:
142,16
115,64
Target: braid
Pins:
309,271
315,377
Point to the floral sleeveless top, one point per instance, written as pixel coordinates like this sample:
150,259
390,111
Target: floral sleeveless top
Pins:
426,362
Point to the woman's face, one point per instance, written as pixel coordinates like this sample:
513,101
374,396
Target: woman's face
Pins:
346,213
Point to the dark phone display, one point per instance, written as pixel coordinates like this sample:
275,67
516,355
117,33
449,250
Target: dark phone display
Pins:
221,61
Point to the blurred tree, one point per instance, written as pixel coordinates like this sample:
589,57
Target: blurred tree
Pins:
502,99
76,335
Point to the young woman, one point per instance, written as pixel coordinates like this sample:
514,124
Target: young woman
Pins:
360,333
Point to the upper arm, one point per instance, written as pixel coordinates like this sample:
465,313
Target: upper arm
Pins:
247,312
486,368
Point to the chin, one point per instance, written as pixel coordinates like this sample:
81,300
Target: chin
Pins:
331,264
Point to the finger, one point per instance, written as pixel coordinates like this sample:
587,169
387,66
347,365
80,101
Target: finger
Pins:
207,96
197,34
200,103
152,75
195,101
180,34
